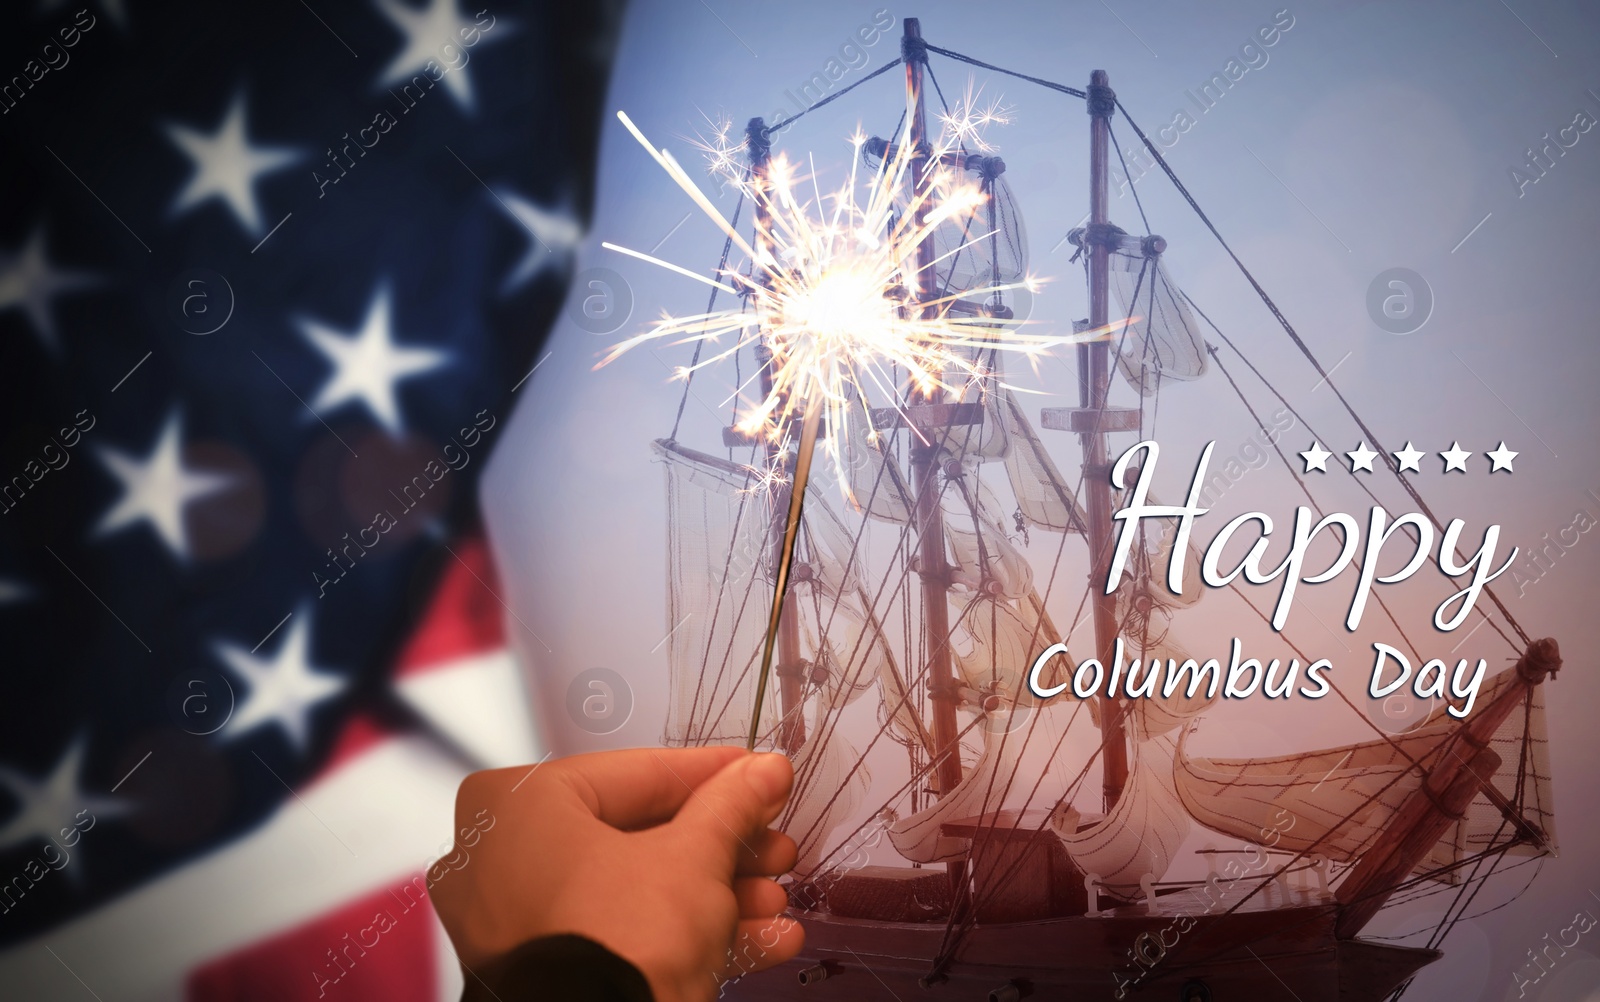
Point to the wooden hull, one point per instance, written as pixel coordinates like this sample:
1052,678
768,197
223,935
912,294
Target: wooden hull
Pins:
1260,954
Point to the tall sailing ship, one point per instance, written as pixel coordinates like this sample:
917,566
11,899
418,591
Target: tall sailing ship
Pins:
910,589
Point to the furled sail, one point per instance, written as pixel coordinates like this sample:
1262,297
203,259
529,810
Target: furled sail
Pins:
1043,495
1336,801
1163,341
1158,713
1160,339
1142,832
1004,641
977,558
876,484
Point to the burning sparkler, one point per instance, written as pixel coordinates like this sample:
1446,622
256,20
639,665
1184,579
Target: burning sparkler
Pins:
832,294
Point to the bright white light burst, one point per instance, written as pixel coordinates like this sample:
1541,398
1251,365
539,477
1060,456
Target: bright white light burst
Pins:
829,287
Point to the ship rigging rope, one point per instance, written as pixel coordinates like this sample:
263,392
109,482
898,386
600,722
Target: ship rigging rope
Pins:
1301,418
782,124
1063,88
1298,479
861,758
1128,176
1305,350
1261,292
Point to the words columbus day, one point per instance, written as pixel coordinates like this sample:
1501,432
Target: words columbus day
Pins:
1433,680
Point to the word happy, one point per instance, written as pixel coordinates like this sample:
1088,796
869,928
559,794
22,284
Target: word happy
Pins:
1273,679
1380,531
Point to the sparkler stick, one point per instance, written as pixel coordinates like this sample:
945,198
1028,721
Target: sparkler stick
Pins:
791,531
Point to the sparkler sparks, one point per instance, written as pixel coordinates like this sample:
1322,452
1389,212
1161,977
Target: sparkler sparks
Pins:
828,284
830,288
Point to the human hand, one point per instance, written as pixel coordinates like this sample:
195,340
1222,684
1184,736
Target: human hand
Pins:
660,855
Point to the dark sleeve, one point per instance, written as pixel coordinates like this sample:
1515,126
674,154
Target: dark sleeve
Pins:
558,968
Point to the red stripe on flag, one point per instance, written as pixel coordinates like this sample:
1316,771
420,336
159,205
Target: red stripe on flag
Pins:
378,947
464,615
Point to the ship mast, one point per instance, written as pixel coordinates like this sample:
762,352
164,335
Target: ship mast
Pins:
792,728
1094,382
930,563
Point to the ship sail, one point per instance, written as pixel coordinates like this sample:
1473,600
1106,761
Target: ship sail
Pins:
918,837
988,559
1161,339
828,792
1336,801
1043,495
1141,834
876,484
1144,608
716,539
1159,713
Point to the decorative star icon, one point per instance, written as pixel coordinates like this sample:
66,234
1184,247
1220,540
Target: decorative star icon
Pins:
28,283
1409,457
1316,457
158,488
1455,458
282,689
427,32
227,166
51,803
1361,458
552,236
1500,459
367,363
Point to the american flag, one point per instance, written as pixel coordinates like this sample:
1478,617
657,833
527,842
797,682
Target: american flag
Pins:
271,273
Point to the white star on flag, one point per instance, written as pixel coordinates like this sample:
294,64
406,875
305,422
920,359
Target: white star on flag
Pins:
28,283
158,488
1316,457
552,236
1500,459
52,803
1361,458
427,32
282,689
1455,458
367,363
227,166
1409,457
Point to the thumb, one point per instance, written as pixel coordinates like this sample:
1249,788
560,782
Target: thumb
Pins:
729,810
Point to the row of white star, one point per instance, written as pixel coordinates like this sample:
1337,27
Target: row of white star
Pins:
227,166
1409,458
280,690
29,282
